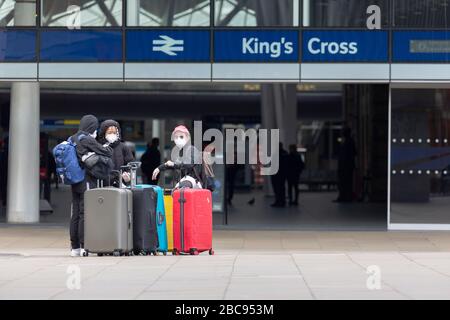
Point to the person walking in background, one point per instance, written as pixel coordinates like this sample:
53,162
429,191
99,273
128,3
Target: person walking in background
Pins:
279,179
150,160
231,171
110,133
295,166
346,166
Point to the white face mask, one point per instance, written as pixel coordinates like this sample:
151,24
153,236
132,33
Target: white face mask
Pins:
111,138
180,142
94,135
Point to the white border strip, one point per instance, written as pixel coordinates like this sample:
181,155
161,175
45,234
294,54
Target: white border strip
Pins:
168,71
418,227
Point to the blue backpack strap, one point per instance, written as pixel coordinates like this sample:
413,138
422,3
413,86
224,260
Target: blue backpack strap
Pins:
79,138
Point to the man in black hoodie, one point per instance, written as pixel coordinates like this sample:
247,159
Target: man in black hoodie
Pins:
86,142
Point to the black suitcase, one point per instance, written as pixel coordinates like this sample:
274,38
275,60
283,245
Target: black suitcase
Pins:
145,237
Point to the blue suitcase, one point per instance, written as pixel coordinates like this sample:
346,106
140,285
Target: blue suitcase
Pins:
161,224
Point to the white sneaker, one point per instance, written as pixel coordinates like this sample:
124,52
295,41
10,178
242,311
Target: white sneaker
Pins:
82,252
75,252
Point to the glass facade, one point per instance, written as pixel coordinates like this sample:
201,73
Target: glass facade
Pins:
407,14
17,13
256,13
342,13
163,13
421,14
420,156
81,13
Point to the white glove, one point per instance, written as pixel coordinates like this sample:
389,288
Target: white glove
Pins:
155,174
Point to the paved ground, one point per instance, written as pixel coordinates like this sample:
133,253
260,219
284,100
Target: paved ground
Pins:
315,212
248,265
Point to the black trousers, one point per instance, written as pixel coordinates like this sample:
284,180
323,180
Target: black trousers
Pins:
231,181
293,188
345,185
77,220
77,215
279,189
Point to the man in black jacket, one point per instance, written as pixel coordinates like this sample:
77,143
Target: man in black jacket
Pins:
279,179
86,142
151,160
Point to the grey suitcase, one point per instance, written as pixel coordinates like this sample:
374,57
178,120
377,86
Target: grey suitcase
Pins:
108,221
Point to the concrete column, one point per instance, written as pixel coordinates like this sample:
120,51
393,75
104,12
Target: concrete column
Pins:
25,13
162,137
306,13
23,168
23,175
133,8
279,111
156,132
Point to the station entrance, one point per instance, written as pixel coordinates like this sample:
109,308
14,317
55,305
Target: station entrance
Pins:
312,117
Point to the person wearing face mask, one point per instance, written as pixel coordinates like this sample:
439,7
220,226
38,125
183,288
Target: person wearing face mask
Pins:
185,157
110,133
86,143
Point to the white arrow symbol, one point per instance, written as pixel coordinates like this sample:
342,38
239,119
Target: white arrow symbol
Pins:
168,45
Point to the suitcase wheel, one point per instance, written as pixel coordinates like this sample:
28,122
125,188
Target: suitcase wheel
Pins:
86,253
100,254
155,253
165,253
116,254
211,252
194,252
175,252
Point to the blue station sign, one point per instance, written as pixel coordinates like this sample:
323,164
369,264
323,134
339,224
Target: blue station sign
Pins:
421,46
18,46
167,46
81,46
345,46
256,46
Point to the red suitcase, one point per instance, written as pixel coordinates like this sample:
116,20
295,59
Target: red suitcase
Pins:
192,221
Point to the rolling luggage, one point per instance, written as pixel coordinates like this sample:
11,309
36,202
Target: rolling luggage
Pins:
192,221
168,207
108,223
160,216
145,239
